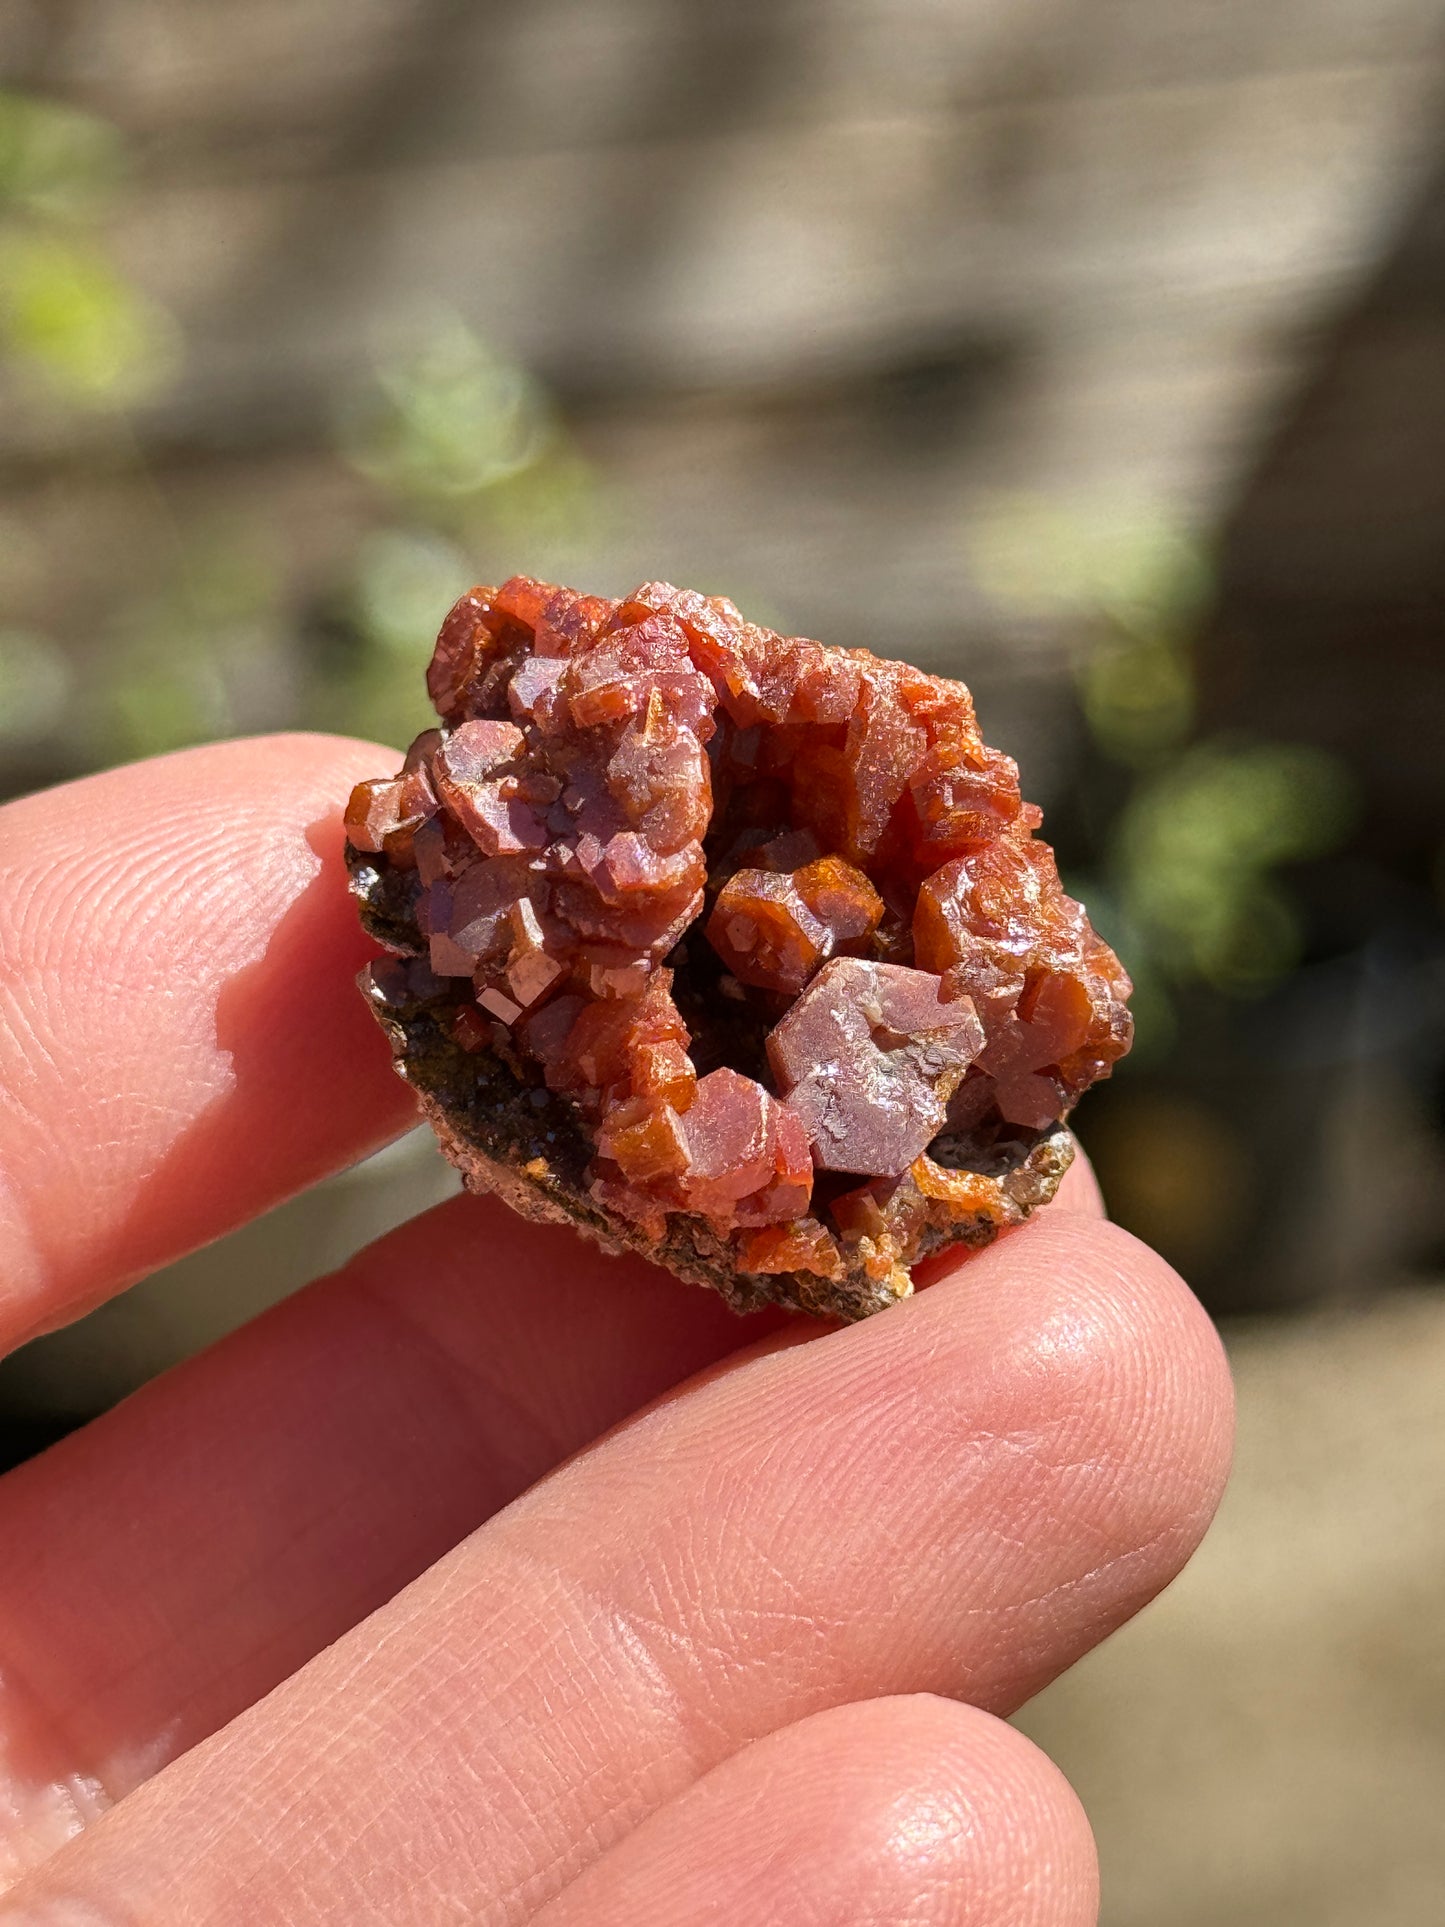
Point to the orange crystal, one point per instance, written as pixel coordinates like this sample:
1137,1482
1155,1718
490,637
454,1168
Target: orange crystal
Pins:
755,909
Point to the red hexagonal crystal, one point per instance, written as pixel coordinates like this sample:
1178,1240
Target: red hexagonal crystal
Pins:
706,915
868,1058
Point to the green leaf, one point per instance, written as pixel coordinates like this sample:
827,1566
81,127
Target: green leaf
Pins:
1138,699
70,318
55,161
451,418
1197,843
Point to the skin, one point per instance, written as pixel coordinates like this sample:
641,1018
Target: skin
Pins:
491,1579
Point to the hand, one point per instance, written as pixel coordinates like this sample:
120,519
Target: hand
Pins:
492,1579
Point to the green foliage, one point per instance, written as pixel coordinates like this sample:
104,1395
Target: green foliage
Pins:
1138,698
55,161
470,465
1188,892
478,479
68,317
446,420
1196,845
69,320
1135,585
462,442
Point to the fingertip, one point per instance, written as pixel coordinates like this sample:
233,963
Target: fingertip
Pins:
1068,1381
1023,1851
904,1808
928,1799
1118,1302
1115,1353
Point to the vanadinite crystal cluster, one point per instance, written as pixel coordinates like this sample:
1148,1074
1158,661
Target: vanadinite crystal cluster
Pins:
726,946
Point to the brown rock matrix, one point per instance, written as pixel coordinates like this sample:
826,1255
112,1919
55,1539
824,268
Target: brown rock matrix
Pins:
726,946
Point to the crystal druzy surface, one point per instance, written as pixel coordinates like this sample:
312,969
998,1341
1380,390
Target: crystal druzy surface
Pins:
761,932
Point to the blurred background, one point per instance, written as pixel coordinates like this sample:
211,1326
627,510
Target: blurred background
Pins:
1091,350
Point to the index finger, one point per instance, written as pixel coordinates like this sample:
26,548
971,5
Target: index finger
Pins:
181,1041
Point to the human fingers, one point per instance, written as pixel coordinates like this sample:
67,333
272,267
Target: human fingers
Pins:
174,1561
178,1558
181,1041
959,1496
170,1563
911,1812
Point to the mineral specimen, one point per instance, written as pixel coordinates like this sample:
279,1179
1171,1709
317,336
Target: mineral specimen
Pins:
725,946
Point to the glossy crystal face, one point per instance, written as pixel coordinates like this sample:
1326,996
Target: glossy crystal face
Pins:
772,917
